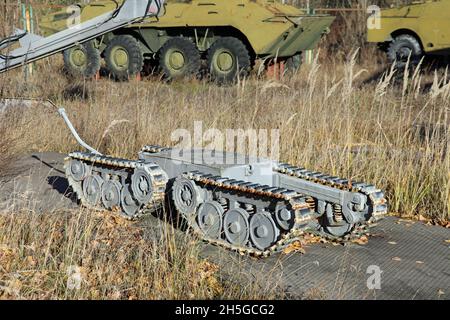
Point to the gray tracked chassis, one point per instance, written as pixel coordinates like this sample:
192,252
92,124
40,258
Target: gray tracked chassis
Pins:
235,206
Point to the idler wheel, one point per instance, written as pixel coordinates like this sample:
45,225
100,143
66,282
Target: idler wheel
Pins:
186,196
142,186
77,170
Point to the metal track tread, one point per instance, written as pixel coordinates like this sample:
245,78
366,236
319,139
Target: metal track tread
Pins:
159,178
379,202
303,213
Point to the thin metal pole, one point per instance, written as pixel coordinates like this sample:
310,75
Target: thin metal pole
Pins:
63,114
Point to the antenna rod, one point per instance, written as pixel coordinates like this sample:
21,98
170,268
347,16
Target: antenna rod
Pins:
63,114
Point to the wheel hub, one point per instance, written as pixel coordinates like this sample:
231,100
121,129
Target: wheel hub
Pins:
262,231
176,60
128,199
120,58
92,190
78,58
224,61
186,195
143,185
285,218
404,53
235,227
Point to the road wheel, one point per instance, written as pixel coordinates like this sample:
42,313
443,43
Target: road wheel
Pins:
124,57
402,47
178,58
227,58
82,60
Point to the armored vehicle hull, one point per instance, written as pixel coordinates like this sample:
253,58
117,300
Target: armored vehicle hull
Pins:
414,30
226,36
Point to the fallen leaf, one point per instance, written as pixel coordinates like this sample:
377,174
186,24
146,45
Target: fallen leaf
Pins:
420,262
447,241
312,239
361,241
392,242
441,292
294,247
396,259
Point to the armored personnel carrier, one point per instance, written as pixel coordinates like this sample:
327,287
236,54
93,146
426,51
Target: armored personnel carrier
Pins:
413,31
253,206
223,36
24,47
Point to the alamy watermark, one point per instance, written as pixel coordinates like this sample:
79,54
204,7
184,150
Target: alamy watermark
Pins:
374,279
374,19
74,278
74,11
229,147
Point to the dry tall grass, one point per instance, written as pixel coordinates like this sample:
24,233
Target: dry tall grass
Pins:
85,255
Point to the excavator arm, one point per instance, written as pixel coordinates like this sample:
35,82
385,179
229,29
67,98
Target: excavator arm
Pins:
33,47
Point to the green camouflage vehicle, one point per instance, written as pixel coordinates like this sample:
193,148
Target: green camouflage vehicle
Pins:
413,31
225,37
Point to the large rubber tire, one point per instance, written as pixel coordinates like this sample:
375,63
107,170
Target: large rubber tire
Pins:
401,48
228,57
82,61
124,57
179,58
293,64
